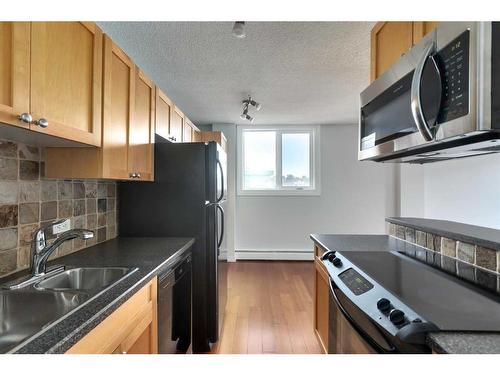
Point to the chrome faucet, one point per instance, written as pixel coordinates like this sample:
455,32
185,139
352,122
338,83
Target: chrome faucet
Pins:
41,252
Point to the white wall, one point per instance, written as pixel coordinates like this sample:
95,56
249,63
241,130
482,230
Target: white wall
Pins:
355,198
464,190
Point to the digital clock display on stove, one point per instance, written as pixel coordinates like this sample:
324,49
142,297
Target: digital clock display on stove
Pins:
355,282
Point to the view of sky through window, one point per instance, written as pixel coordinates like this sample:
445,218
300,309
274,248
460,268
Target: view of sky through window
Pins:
295,161
259,160
260,164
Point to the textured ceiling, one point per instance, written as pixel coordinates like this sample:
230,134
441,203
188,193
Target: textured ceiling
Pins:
301,72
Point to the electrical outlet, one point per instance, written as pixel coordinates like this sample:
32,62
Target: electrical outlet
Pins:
61,227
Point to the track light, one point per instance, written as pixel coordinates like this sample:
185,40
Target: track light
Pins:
255,104
246,103
245,115
252,102
239,29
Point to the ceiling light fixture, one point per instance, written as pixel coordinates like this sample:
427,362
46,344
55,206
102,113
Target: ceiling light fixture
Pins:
246,104
239,29
245,115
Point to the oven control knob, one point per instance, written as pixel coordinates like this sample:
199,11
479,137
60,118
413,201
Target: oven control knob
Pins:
383,304
396,316
328,255
336,262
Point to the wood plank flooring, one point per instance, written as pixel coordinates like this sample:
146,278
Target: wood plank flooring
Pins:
269,308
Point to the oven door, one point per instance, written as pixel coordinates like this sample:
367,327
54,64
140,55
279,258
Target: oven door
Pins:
429,95
350,330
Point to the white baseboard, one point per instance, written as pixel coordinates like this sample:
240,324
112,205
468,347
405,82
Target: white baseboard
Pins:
274,255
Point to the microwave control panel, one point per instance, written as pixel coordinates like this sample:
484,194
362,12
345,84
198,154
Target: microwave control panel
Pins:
453,62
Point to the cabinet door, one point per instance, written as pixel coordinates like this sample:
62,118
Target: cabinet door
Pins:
176,124
196,135
422,28
389,40
321,301
163,108
66,75
141,130
14,71
187,132
118,101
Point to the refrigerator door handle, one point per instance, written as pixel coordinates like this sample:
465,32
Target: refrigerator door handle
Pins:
221,196
221,237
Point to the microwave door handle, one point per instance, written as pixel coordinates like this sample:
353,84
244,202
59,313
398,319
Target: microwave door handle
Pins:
221,237
415,94
221,196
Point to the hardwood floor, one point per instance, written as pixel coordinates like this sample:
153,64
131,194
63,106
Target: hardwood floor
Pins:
269,308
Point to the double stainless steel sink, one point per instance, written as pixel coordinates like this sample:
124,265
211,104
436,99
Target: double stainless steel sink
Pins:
26,311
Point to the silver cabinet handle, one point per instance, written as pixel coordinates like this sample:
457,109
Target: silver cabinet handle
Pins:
172,138
416,102
132,175
25,117
138,175
43,123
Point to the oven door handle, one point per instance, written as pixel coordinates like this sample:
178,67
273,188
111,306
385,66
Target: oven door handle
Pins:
415,92
356,326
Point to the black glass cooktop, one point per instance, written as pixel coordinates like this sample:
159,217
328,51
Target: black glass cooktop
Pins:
449,302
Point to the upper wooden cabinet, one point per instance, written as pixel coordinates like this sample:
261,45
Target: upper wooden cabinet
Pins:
66,74
421,29
187,135
142,129
216,136
14,71
389,40
176,124
128,127
52,71
118,101
162,113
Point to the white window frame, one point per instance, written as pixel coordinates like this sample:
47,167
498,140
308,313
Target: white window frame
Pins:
314,159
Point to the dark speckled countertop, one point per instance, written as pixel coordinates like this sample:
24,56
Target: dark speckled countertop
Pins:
151,256
442,342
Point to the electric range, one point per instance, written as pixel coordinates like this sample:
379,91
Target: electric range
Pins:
393,300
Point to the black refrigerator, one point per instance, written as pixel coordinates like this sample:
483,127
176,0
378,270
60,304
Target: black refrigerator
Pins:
186,199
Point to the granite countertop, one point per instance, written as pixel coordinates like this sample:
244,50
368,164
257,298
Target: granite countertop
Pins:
441,342
151,256
482,236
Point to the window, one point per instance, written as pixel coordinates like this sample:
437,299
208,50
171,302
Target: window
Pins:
278,161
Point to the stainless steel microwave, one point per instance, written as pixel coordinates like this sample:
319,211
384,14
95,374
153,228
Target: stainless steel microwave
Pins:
440,100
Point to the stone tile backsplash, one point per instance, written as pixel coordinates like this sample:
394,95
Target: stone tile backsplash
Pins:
452,250
28,200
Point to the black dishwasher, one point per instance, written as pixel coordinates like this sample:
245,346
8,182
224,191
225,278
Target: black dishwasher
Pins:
174,308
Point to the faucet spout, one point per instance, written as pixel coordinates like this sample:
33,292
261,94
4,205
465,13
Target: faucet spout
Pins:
42,252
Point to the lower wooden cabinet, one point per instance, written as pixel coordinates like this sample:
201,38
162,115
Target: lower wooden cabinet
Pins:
334,332
131,329
321,298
